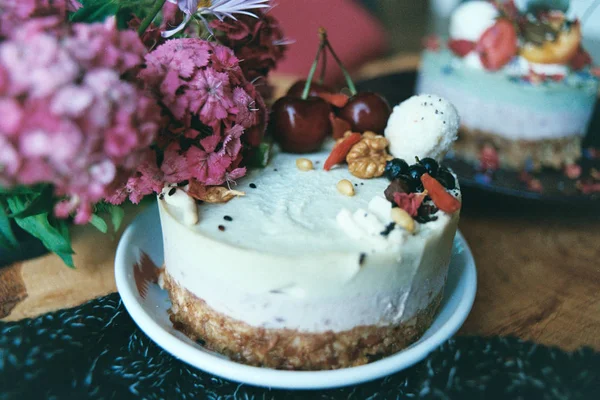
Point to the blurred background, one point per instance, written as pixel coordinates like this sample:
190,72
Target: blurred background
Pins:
366,30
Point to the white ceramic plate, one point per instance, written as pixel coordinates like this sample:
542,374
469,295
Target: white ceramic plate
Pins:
150,314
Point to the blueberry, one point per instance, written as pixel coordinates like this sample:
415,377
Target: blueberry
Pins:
394,168
415,171
446,179
430,165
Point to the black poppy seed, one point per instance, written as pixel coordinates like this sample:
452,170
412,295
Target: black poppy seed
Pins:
356,184
361,260
436,111
422,118
444,122
172,191
275,170
221,228
253,186
228,218
389,228
441,112
362,183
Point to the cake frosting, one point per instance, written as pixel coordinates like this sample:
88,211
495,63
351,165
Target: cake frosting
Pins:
484,99
298,255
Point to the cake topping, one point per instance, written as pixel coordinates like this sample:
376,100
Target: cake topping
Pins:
441,198
345,187
341,149
524,37
367,158
212,194
178,198
471,19
304,164
372,225
409,202
403,219
422,126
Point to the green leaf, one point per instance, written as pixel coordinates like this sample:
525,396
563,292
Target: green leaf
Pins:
95,11
40,227
116,217
7,237
99,223
19,190
63,228
38,203
259,157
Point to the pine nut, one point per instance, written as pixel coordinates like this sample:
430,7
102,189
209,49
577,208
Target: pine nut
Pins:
403,219
345,187
304,164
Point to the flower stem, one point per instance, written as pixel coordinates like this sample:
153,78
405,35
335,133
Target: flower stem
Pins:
312,71
344,71
158,5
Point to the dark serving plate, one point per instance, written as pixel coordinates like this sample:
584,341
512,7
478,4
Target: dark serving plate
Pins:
506,185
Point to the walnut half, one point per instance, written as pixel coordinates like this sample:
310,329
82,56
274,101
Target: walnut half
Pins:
367,158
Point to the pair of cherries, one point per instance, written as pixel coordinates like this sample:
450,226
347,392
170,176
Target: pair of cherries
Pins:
300,121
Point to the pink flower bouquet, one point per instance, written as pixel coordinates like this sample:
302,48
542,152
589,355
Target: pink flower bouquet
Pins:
90,118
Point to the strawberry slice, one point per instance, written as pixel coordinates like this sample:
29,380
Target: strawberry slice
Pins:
461,47
498,45
581,59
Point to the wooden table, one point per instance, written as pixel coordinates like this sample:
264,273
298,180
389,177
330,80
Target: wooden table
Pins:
538,268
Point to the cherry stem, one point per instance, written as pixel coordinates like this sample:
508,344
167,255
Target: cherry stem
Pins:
158,5
323,68
349,82
312,71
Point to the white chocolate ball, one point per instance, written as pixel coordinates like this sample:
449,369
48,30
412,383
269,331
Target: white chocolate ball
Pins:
424,126
471,19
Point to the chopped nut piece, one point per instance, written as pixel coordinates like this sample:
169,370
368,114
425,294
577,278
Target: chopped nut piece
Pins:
367,158
212,194
304,164
345,187
403,219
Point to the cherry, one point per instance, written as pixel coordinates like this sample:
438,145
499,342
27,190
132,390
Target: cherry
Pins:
366,111
315,88
300,125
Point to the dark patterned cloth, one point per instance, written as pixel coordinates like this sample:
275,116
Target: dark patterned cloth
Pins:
97,351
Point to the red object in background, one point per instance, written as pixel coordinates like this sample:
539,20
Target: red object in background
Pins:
498,45
581,59
461,47
354,33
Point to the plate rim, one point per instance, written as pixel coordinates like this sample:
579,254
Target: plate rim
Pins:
281,379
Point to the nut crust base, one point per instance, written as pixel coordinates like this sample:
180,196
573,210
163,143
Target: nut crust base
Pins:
289,349
514,154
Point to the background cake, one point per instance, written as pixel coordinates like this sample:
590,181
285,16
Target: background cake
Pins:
520,79
311,267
